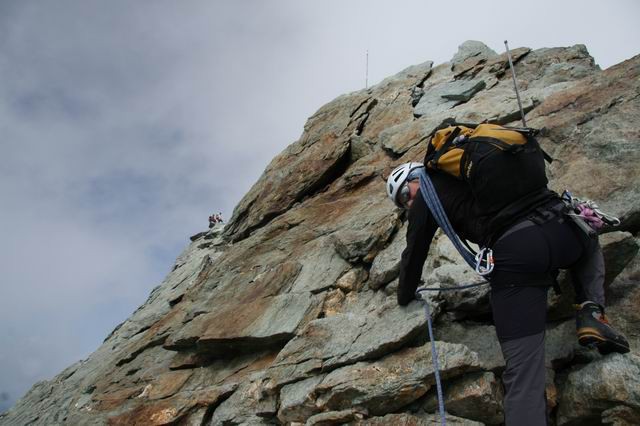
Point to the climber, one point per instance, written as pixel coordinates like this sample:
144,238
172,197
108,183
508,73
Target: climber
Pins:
531,241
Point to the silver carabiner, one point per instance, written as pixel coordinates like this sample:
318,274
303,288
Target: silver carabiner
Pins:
485,255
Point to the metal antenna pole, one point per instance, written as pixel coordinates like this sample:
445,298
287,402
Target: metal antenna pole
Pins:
515,84
366,78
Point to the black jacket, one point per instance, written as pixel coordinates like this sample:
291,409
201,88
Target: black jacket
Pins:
465,217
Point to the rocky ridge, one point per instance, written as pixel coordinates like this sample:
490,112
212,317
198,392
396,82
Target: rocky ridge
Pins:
287,315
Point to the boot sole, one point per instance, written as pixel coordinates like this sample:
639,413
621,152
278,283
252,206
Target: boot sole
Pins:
590,337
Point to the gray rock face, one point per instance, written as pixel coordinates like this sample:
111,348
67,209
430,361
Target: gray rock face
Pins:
471,49
331,342
621,415
252,326
601,386
334,418
465,302
413,420
476,396
561,344
464,90
377,387
384,386
247,405
479,338
436,100
288,314
321,268
297,401
386,266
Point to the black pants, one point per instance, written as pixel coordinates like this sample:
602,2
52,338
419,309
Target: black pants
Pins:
526,257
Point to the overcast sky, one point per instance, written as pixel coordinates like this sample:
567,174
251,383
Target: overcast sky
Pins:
124,124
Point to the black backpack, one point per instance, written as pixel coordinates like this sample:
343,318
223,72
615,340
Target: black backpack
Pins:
501,164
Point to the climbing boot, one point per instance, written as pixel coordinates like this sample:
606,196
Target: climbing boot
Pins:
594,330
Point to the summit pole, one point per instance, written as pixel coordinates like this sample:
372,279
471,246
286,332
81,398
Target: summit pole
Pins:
366,77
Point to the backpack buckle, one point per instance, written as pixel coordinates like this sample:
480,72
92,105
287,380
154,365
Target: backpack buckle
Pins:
459,140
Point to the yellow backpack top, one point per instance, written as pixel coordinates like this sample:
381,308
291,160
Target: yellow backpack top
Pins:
448,145
501,164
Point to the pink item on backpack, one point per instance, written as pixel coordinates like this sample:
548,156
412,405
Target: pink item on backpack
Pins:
589,216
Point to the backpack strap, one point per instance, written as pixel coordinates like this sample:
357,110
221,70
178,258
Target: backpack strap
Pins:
500,144
432,159
516,148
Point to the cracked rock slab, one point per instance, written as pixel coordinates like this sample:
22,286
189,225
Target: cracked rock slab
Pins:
467,302
322,266
167,411
331,418
297,402
611,381
433,101
414,420
243,328
464,90
340,339
472,49
249,404
386,266
362,241
375,388
481,339
476,396
384,386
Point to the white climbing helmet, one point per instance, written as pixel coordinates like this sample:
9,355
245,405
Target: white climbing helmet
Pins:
398,177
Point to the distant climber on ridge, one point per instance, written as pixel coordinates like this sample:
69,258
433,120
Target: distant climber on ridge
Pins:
214,219
508,208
